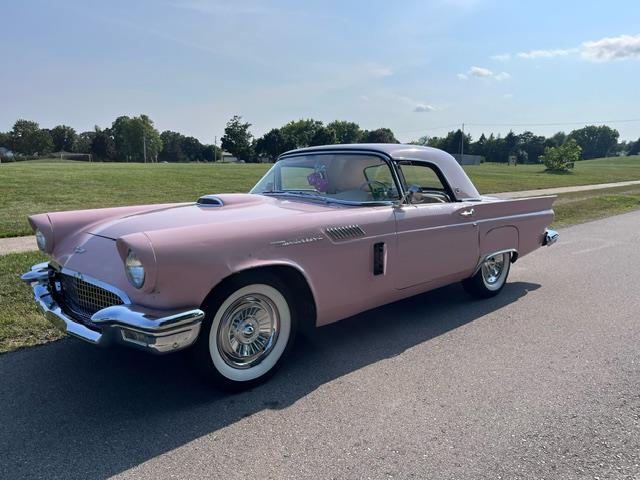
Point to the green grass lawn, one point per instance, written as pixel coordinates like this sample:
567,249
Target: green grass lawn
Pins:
579,207
40,186
22,325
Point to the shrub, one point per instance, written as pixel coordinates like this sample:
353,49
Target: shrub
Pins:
562,158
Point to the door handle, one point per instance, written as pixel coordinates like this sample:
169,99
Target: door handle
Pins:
467,213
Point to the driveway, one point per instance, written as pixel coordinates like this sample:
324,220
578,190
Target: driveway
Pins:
541,382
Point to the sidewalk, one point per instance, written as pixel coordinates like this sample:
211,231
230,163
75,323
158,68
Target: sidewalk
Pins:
556,191
27,244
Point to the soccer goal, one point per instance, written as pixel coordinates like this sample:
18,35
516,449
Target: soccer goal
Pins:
72,156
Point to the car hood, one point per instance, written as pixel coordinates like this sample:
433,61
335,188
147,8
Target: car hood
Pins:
234,208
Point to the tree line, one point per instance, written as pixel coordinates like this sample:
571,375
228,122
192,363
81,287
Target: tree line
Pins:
129,139
135,139
594,142
527,147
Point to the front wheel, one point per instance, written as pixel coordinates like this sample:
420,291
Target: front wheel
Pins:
490,277
248,328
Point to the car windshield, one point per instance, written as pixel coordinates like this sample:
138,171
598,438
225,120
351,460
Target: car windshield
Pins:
352,178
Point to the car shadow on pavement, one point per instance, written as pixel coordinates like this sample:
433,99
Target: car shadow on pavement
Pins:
69,410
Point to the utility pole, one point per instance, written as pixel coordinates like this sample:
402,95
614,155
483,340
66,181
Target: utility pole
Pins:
462,144
215,149
144,146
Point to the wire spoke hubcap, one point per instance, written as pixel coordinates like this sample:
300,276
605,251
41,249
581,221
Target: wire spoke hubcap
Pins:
492,269
248,331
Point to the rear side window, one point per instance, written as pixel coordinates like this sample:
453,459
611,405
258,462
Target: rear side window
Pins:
427,182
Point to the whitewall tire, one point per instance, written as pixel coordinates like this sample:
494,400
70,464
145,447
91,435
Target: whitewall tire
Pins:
248,329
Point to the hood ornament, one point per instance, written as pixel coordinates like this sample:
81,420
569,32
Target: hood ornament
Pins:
79,249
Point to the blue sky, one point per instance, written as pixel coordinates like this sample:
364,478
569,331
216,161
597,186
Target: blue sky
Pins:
414,66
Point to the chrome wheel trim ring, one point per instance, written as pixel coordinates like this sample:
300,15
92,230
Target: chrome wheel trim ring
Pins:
279,345
494,271
248,330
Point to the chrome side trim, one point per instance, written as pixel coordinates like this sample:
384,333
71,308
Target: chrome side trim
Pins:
483,258
151,330
550,237
345,232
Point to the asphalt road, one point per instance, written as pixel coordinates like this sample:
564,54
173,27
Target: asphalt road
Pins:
540,382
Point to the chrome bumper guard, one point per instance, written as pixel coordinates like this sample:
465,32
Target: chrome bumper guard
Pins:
150,330
550,237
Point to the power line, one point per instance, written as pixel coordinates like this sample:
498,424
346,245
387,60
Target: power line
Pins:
550,124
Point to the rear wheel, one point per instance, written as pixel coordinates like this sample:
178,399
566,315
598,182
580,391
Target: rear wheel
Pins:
249,327
490,277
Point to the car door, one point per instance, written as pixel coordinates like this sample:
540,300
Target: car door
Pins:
437,238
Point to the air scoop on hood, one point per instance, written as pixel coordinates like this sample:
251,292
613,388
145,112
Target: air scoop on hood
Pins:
210,201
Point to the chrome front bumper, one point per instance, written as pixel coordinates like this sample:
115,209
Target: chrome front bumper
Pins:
150,330
550,237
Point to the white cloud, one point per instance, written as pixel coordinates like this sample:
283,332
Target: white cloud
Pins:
501,57
508,96
420,108
364,98
612,48
533,54
480,72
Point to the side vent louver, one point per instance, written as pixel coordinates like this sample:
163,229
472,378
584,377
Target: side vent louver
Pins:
347,232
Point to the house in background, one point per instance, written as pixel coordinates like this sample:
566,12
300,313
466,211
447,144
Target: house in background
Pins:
228,157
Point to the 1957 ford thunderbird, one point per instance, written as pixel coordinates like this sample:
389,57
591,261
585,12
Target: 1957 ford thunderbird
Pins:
328,232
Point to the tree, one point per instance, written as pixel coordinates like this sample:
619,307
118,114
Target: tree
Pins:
562,158
530,147
63,137
210,153
323,136
133,137
28,139
346,132
555,140
171,147
5,140
192,148
102,145
83,142
595,141
634,148
423,141
237,138
273,143
301,132
479,147
380,135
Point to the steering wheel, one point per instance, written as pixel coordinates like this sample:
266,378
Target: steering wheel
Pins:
374,193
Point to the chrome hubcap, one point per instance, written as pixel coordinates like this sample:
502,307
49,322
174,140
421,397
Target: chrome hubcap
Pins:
248,331
492,269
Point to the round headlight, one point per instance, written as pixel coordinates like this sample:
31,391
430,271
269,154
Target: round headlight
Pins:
134,269
41,240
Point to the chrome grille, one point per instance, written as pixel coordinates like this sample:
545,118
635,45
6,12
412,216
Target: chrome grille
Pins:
82,299
346,232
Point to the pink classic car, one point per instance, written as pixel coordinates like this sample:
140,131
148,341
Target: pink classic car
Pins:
328,232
